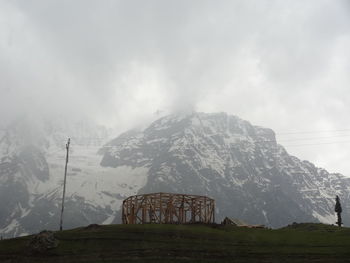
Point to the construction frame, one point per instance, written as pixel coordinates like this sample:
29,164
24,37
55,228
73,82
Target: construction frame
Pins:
168,208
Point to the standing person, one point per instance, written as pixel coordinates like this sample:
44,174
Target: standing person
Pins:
338,210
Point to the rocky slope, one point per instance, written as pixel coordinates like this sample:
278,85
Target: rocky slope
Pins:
32,157
240,165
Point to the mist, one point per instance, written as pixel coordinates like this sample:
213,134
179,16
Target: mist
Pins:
278,64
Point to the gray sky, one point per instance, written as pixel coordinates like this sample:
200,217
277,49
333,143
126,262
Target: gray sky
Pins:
279,64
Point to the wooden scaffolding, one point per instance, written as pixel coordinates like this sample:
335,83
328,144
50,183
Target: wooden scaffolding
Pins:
166,208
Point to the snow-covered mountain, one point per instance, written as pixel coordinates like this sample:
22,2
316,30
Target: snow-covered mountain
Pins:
32,158
240,165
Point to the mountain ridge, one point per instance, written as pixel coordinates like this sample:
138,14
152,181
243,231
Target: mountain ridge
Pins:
238,164
233,155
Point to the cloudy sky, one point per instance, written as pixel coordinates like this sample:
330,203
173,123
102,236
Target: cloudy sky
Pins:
279,64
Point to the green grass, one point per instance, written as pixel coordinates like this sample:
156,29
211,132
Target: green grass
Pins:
189,243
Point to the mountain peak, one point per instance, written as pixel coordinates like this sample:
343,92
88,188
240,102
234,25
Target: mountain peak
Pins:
232,160
240,165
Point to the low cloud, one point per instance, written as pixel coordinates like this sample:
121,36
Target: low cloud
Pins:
280,64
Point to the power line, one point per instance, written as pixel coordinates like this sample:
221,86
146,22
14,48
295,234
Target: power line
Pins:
308,132
315,138
264,141
257,141
314,144
59,150
305,139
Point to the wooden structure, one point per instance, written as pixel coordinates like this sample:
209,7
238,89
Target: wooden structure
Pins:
166,208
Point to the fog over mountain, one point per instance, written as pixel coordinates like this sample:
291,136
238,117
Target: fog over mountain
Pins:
280,64
242,166
124,64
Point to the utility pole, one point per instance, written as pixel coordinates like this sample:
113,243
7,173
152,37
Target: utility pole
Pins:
64,183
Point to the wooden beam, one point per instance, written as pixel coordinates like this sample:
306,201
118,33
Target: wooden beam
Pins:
167,208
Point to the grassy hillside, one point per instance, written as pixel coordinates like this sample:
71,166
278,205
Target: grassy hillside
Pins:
188,243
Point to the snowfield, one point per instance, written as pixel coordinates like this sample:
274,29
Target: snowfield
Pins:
240,165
